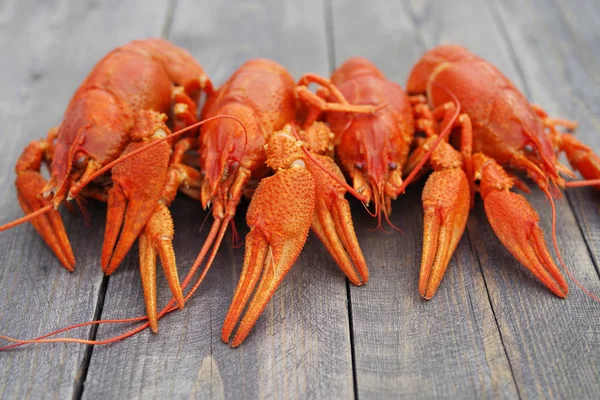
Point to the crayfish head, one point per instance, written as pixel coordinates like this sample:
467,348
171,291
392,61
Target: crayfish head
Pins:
94,132
376,171
60,184
223,147
536,157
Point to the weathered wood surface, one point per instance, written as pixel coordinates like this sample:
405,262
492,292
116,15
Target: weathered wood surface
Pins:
491,331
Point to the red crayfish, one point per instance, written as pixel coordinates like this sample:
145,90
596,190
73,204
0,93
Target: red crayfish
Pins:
118,108
499,129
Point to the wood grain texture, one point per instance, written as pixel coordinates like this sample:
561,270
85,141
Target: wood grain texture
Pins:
300,347
48,48
449,347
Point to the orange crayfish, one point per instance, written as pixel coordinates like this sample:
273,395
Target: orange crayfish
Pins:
373,149
499,129
119,107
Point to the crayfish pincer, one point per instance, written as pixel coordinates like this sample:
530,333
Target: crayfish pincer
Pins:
121,105
302,194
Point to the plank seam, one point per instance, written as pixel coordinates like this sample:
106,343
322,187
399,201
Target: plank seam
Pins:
165,32
515,61
352,347
89,349
331,59
585,239
329,34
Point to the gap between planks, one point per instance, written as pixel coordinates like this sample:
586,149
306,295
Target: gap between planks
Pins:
332,61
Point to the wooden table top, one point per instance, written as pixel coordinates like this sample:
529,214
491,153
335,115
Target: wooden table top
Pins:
492,330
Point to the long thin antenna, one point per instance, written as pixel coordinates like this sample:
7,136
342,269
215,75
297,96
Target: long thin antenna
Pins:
558,254
590,182
27,217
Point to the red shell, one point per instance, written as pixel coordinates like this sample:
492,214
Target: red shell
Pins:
376,140
503,121
134,77
261,95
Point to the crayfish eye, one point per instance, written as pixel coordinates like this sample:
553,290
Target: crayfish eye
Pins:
359,166
392,165
528,148
80,160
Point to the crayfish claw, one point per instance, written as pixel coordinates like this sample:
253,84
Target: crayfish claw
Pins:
49,225
332,223
256,251
156,239
138,184
515,222
446,209
279,217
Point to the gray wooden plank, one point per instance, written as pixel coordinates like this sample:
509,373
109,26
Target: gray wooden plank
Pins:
300,347
48,48
449,347
551,344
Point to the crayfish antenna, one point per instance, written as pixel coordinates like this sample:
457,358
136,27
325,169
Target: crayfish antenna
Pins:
167,309
27,218
583,183
48,222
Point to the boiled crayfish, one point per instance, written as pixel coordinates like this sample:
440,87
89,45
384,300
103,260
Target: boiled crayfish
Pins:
373,149
119,107
371,128
499,129
233,157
